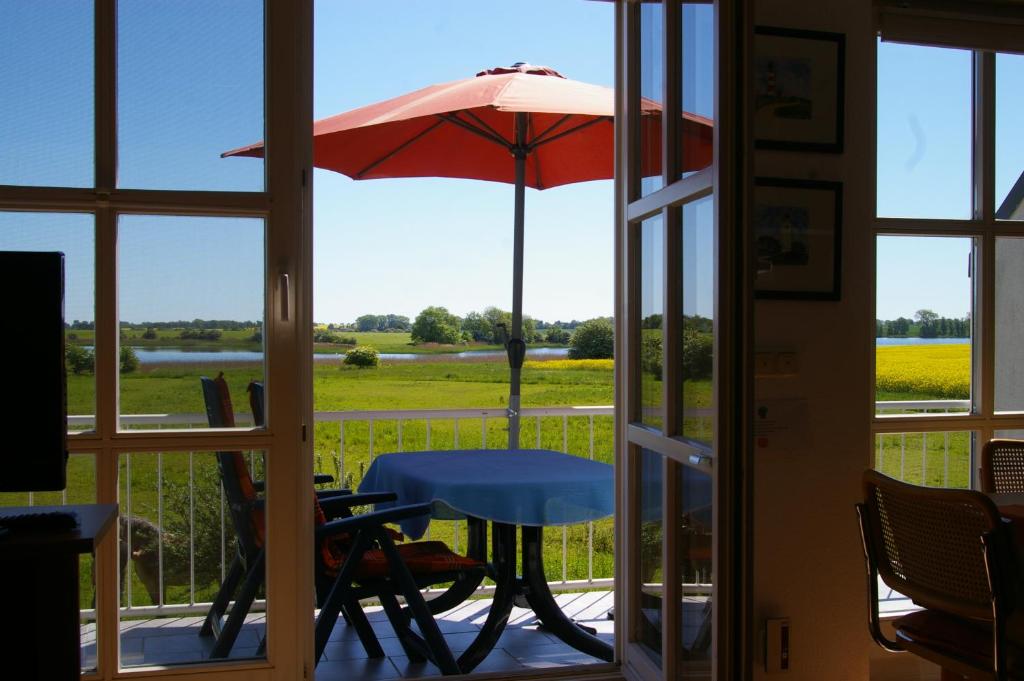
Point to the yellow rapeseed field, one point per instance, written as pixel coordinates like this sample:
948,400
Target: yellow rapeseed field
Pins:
593,364
941,371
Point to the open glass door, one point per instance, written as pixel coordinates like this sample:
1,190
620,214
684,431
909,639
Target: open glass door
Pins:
679,321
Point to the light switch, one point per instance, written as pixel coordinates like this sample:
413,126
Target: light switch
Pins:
787,364
764,363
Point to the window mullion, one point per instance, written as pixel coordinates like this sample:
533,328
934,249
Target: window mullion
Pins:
106,95
983,197
984,136
984,325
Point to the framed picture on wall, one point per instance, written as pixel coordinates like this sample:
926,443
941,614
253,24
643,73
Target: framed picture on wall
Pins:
798,89
797,236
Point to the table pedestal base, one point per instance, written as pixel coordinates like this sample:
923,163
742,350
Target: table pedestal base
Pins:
533,586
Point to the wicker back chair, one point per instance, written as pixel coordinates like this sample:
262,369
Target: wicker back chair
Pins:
947,550
1002,466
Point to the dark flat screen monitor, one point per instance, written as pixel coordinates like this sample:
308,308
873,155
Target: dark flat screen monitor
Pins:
33,437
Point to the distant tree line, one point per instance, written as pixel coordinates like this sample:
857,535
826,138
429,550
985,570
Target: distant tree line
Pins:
222,324
492,326
477,329
381,322
925,324
694,323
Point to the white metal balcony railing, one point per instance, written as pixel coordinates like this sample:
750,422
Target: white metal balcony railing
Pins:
323,462
906,449
936,459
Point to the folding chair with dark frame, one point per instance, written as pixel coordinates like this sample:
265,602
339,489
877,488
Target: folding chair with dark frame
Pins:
949,551
430,562
246,574
372,566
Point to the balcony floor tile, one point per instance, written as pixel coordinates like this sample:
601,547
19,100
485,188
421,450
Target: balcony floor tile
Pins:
175,640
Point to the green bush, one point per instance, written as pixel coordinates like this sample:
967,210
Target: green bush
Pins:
436,325
129,360
79,360
651,354
200,334
362,356
593,339
149,334
698,357
698,354
557,334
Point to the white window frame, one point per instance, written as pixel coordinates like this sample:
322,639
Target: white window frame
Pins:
982,420
285,206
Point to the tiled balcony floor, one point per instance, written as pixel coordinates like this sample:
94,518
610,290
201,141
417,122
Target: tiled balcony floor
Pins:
522,645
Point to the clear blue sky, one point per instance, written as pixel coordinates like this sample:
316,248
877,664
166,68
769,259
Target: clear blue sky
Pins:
924,169
400,245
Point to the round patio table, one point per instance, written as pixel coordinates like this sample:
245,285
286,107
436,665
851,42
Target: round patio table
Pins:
510,488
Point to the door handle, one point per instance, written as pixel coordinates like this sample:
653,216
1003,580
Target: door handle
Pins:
284,297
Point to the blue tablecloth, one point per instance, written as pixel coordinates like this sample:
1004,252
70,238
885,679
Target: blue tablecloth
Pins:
518,487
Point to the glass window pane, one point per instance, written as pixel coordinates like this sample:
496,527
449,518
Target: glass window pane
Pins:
698,78
652,87
695,518
73,235
924,132
923,325
651,542
1009,320
187,92
178,529
46,86
1009,137
698,319
652,297
191,302
940,459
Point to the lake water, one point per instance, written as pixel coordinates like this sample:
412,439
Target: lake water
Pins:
922,341
190,356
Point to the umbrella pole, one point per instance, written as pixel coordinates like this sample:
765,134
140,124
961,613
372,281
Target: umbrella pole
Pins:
516,348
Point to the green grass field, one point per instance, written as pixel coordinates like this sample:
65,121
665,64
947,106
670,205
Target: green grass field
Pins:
242,339
193,508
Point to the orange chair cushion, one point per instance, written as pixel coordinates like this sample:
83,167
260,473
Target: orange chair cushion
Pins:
422,558
241,468
961,638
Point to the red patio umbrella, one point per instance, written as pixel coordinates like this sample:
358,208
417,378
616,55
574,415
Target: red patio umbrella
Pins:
525,125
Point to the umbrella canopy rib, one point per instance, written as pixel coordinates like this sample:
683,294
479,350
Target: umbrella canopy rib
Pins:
554,126
454,119
486,126
585,124
397,150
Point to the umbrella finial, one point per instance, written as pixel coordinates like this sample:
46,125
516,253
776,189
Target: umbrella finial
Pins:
522,67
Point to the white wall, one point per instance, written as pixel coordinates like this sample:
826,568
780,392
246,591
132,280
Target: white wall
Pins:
808,564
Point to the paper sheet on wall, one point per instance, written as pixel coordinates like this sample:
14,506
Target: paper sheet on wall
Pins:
780,425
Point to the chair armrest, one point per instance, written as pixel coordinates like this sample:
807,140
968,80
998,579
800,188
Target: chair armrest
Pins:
318,479
322,494
374,519
336,505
